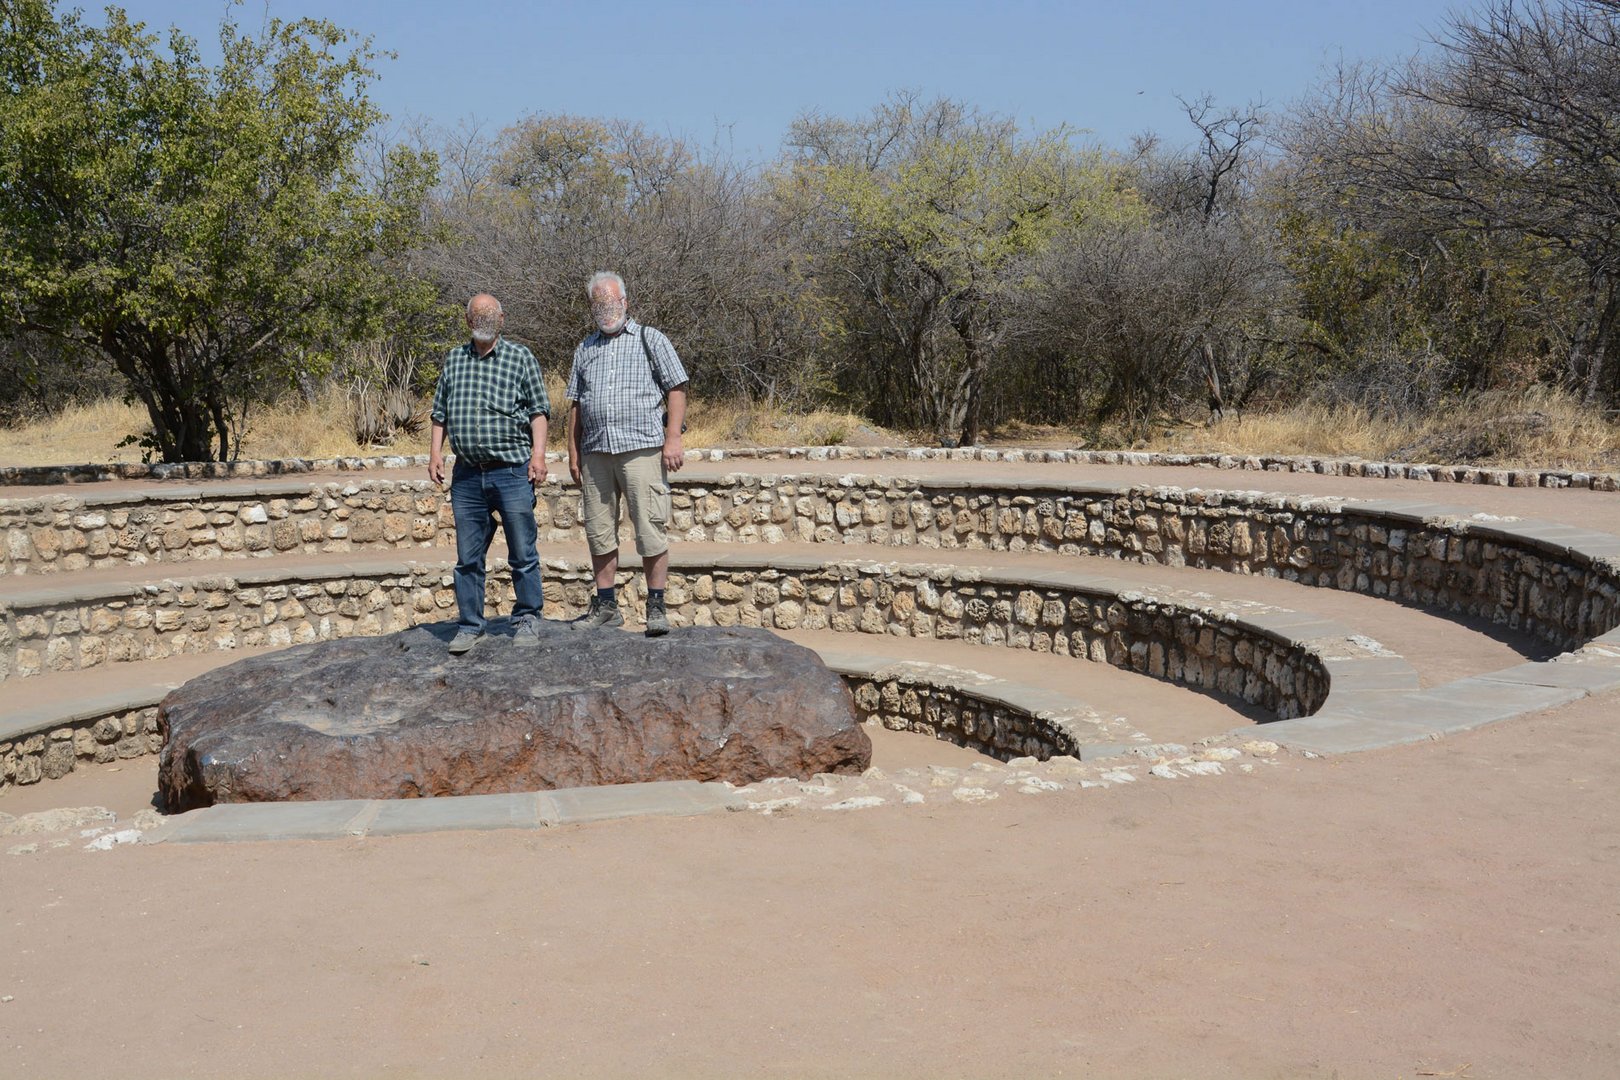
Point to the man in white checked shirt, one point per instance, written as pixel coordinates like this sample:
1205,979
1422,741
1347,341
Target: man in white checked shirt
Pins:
623,443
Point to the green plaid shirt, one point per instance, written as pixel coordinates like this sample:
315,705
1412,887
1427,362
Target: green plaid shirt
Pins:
488,402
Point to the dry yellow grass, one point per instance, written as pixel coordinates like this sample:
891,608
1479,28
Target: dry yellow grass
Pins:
78,434
1521,429
319,429
91,433
1506,429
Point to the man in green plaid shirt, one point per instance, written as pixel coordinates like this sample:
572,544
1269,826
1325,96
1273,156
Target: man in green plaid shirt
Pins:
492,402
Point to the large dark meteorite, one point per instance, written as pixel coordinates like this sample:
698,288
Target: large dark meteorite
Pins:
396,717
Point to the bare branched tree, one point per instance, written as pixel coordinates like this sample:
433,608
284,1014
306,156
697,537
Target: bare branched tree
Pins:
1513,130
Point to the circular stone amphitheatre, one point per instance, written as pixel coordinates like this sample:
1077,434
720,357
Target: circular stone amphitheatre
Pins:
1072,618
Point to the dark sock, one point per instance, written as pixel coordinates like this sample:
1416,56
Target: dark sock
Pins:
609,595
655,596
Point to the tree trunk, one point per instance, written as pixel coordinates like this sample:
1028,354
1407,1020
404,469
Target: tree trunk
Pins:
183,416
1594,337
1212,382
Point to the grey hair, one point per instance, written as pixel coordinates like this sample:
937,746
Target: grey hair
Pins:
475,296
601,277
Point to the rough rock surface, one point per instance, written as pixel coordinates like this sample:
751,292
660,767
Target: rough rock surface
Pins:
397,717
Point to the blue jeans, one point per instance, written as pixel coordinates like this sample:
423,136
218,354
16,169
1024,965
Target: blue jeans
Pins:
476,496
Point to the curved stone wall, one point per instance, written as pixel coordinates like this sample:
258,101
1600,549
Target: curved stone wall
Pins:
1166,636
50,753
911,697
1559,583
1393,470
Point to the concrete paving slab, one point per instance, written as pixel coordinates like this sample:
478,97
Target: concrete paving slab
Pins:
1336,733
1474,702
853,663
1459,706
1358,674
1371,721
264,821
1034,700
674,798
1295,625
399,817
1406,512
1593,677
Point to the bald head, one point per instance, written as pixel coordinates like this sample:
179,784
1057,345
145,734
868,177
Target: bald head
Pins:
485,318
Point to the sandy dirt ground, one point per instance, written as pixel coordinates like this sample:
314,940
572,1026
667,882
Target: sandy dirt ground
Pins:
1447,909
1450,909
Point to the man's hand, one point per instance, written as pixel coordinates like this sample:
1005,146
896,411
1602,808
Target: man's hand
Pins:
537,467
573,469
436,468
674,456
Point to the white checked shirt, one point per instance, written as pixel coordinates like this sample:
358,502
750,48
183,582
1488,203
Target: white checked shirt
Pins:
620,404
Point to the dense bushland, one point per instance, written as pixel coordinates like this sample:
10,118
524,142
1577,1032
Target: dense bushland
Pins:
1403,239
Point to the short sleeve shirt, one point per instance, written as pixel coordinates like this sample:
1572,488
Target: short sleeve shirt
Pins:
619,394
488,402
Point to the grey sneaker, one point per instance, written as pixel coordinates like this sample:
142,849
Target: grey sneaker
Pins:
527,634
599,614
463,641
657,621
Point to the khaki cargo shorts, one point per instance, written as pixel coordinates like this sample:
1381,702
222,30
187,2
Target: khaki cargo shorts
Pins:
637,476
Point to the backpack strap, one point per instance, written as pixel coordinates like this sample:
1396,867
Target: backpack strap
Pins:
646,350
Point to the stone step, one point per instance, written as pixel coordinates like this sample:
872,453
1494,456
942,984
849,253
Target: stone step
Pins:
1560,580
332,820
1441,648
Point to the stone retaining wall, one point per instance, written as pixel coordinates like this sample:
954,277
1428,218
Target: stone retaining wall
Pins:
958,716
1557,583
1551,582
1172,638
63,533
1393,470
52,755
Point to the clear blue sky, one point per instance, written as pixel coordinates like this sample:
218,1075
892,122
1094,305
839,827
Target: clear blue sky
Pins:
745,70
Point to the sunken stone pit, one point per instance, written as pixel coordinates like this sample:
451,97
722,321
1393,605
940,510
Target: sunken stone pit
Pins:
397,717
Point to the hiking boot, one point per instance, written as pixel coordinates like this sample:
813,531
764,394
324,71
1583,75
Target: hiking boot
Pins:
601,613
657,621
527,634
463,641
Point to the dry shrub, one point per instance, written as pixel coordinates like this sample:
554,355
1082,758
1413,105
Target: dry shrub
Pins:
378,378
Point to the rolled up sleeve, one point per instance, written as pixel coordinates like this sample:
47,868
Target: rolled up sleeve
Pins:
535,398
671,374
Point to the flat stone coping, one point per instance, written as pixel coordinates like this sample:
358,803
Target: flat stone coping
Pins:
1324,638
1348,721
1351,724
1327,466
349,818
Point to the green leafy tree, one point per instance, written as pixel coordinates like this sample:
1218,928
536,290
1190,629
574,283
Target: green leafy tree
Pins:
210,230
928,216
